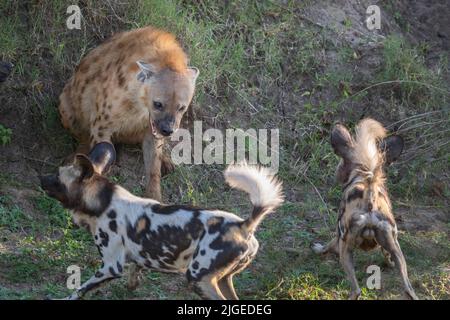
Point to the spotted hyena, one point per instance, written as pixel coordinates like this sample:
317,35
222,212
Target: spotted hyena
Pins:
132,89
209,246
365,218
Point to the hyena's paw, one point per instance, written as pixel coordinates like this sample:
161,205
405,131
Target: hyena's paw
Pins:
167,166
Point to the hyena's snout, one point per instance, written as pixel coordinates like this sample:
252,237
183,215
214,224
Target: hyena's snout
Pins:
166,125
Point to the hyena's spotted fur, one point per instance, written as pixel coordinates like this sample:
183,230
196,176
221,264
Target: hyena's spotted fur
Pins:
134,88
365,217
208,246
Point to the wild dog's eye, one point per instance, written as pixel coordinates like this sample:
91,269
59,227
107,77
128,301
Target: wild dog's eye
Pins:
157,105
181,108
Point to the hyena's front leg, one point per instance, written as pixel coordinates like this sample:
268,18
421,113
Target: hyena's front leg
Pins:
167,165
152,149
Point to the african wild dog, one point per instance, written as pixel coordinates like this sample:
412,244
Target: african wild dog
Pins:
365,216
133,88
209,246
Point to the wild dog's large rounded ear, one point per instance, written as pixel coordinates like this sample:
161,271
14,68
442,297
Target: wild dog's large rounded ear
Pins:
392,147
193,73
341,141
102,156
85,166
146,71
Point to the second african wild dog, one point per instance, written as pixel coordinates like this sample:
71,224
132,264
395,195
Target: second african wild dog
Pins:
365,215
134,88
209,246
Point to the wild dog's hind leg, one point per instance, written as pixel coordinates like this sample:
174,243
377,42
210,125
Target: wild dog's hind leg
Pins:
346,259
388,258
227,288
332,247
386,237
226,283
152,149
208,288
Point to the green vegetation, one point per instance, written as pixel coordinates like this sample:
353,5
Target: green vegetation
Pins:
5,135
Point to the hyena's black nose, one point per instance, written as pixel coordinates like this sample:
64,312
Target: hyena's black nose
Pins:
166,125
166,131
166,128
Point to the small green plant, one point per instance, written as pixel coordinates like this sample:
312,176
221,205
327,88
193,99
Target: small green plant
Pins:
406,65
5,135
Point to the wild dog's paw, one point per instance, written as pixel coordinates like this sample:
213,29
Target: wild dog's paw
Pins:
389,263
317,247
132,284
355,295
412,295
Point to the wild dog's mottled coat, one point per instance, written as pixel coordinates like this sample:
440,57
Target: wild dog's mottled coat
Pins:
134,88
209,246
365,218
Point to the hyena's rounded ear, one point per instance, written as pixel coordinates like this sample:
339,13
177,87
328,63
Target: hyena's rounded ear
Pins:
341,141
146,70
102,156
193,73
392,147
85,166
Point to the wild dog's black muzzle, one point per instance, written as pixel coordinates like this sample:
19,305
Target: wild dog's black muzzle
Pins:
49,183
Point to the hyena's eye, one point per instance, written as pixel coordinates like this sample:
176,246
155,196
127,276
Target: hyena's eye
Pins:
157,105
181,108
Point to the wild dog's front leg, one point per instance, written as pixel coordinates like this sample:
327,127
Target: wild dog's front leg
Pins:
111,249
107,273
152,149
133,277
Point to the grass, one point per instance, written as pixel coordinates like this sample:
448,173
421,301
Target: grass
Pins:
261,66
5,135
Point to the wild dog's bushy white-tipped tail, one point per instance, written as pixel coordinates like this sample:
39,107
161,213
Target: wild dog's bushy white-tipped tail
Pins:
264,189
368,132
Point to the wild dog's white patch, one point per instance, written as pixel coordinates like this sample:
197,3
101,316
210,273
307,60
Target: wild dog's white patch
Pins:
317,247
201,243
